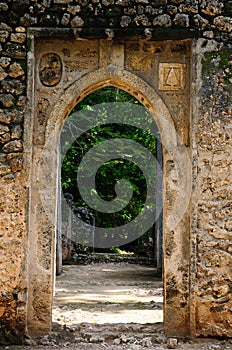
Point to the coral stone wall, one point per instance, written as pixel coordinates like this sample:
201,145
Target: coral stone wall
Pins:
214,188
209,24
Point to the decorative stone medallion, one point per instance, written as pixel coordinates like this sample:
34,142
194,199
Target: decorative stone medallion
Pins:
50,69
172,76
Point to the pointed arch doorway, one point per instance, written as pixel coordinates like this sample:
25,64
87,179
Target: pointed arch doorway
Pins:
143,293
115,114
43,204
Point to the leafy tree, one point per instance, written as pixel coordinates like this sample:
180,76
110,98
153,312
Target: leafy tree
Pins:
113,170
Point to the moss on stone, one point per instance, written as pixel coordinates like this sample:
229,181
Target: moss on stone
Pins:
29,43
23,64
113,12
226,64
207,64
221,61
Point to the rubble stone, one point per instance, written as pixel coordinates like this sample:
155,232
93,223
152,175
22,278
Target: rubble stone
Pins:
212,7
7,100
163,21
181,20
184,43
172,343
12,146
65,19
77,22
16,70
223,23
125,21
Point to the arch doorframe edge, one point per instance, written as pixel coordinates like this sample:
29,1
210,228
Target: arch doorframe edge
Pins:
71,96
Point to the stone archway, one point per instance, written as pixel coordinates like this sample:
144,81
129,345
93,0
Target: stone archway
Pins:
43,193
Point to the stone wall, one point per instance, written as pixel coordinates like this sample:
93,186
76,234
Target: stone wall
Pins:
213,134
209,24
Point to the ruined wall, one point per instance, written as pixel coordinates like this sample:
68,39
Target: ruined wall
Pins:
213,133
209,24
140,68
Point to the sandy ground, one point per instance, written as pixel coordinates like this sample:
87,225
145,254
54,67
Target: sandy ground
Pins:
108,293
114,307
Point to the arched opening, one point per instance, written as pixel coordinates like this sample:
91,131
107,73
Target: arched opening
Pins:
125,266
43,203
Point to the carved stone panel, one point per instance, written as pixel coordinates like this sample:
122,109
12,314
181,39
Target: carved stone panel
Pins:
50,69
172,76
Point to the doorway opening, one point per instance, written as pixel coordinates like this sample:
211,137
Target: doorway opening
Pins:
109,271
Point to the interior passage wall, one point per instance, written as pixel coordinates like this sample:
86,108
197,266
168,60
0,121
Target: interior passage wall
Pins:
209,23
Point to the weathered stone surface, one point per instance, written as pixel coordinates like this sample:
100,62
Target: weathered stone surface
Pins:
212,7
223,23
207,133
163,21
74,9
77,22
18,37
28,20
172,343
3,6
16,70
177,1
159,2
181,20
140,63
7,100
153,10
62,1
190,6
4,170
12,146
4,117
3,74
5,138
3,129
122,2
132,11
4,26
142,19
50,69
214,176
65,19
20,30
3,35
5,61
201,22
125,21
172,9
16,132
107,2
21,101
13,87
15,50
16,164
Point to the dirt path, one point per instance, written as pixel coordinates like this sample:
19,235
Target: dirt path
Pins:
108,293
114,307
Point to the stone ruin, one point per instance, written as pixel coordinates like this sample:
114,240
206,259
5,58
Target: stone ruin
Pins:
175,57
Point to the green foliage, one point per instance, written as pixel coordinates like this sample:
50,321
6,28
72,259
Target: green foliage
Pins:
207,64
117,250
225,64
219,62
109,173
